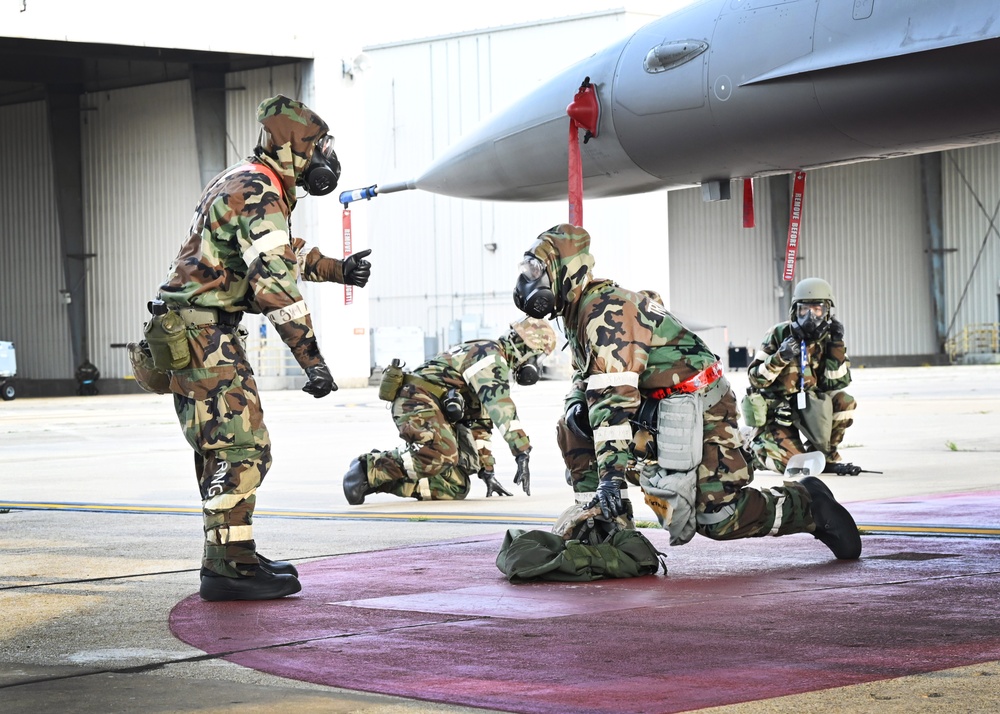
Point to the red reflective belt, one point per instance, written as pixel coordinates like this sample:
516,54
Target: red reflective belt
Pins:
691,384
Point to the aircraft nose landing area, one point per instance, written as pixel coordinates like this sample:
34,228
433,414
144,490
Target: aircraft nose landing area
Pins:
738,621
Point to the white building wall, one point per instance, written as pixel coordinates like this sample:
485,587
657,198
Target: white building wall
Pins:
439,259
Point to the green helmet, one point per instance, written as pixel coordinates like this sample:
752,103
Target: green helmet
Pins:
813,290
812,322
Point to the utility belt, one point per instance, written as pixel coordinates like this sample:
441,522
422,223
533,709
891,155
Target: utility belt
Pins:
394,377
450,399
166,332
202,316
709,383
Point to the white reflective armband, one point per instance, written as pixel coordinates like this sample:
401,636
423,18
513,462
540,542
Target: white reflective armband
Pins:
289,313
597,382
265,244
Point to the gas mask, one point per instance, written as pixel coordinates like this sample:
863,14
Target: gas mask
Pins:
812,319
323,171
528,373
533,293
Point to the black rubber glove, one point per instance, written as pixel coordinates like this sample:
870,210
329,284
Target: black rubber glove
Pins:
523,475
319,381
836,330
357,270
578,421
492,485
609,498
789,349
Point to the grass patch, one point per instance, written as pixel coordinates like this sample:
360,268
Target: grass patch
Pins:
647,524
952,446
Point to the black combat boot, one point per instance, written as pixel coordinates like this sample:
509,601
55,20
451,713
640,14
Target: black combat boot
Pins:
263,585
834,525
278,567
356,481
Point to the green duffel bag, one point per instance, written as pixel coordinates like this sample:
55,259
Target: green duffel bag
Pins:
527,556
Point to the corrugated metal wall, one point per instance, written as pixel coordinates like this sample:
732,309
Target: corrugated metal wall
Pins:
972,265
140,185
862,230
32,313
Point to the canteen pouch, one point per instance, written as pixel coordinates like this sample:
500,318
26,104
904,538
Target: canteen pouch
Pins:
166,336
147,376
468,455
392,381
754,409
680,432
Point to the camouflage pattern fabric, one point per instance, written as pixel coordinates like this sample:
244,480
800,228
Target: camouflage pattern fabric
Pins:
827,371
220,414
240,256
626,345
480,370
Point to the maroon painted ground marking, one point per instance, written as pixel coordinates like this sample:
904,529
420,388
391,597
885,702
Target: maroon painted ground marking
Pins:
733,622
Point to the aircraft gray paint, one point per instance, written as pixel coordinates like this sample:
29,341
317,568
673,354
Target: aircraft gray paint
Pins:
725,89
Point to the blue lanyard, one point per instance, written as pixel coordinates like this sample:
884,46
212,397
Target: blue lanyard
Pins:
803,361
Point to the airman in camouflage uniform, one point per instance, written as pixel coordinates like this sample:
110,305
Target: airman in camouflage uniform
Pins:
240,257
627,350
779,372
440,454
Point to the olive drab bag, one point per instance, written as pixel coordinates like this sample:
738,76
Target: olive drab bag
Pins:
754,408
816,420
469,462
166,337
392,381
526,556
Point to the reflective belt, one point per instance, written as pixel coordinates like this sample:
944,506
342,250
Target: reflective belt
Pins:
703,379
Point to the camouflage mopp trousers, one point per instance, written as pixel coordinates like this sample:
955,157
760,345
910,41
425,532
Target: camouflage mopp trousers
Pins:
430,466
219,411
775,443
723,482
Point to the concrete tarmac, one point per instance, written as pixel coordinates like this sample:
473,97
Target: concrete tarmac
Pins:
101,538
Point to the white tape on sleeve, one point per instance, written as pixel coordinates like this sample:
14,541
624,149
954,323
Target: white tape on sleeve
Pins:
289,313
612,433
265,244
597,382
479,366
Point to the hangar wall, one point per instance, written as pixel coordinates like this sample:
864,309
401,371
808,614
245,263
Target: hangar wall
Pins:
32,312
862,231
972,236
140,187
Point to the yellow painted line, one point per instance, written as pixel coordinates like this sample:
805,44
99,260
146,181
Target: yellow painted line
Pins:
889,528
867,528
343,515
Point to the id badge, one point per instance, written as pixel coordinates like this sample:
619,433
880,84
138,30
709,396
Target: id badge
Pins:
800,400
